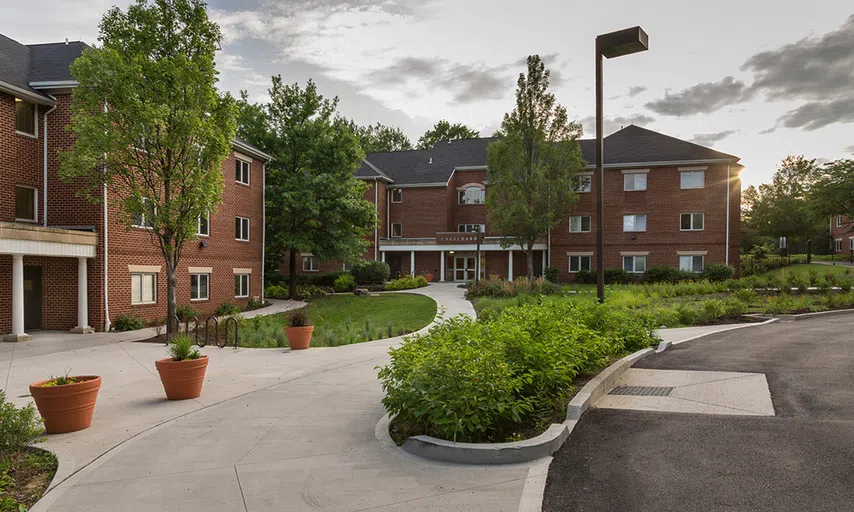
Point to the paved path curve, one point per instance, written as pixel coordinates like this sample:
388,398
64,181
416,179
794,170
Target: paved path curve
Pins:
305,443
798,460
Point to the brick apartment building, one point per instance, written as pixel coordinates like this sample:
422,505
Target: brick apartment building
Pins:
668,202
66,263
841,237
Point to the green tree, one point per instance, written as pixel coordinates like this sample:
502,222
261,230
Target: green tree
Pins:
530,170
444,130
832,191
149,123
314,202
379,137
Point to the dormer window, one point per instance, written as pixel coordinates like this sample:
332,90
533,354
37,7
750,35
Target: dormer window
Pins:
26,121
472,194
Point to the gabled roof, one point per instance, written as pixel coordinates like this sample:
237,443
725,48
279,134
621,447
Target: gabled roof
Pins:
51,62
629,146
22,66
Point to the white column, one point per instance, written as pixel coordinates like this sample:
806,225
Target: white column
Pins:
382,255
412,263
442,267
544,262
18,333
510,265
82,299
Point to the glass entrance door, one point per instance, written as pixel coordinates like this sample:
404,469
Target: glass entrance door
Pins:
465,267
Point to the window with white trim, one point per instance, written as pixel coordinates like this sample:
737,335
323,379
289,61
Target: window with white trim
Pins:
692,179
583,183
579,224
26,203
579,264
838,245
310,264
396,229
634,181
241,229
346,267
839,221
144,220
471,228
471,195
851,244
241,171
634,264
241,285
143,288
691,221
204,227
634,222
26,118
692,263
396,195
200,286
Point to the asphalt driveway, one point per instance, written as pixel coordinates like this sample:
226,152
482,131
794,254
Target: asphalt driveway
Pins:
802,459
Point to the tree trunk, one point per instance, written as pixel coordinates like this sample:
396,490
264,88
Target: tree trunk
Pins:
171,301
529,255
292,273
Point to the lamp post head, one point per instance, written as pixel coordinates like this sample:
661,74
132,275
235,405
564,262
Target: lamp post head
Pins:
622,42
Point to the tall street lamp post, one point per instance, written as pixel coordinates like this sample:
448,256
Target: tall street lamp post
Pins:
614,44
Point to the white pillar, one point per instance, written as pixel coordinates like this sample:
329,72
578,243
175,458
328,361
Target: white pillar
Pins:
442,267
382,255
510,265
18,333
412,263
83,326
544,262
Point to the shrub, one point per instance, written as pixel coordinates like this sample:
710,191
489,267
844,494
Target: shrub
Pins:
298,318
327,279
128,322
371,272
227,309
585,277
276,292
497,288
19,427
618,276
718,272
746,296
185,311
181,348
255,303
310,290
662,274
407,283
344,283
550,274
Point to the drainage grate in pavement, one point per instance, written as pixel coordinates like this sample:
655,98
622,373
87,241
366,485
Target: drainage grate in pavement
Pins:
642,391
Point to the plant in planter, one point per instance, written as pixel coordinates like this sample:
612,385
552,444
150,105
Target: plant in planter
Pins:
299,329
66,403
182,374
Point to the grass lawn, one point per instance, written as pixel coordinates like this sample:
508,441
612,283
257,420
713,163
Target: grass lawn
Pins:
346,319
805,269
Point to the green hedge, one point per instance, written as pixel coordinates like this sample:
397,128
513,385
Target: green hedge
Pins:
407,283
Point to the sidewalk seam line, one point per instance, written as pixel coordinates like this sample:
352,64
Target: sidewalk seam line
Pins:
240,488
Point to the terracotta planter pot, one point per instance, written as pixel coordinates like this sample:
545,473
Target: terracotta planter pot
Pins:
67,408
299,338
429,277
182,379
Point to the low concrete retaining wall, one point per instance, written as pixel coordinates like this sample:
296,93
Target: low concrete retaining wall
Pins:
602,383
803,316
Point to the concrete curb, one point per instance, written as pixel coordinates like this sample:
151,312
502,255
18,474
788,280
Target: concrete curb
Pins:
727,329
602,383
803,316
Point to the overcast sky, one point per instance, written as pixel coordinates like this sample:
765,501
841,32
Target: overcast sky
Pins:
756,79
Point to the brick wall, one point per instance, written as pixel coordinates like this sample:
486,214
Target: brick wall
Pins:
841,230
467,213
421,212
21,162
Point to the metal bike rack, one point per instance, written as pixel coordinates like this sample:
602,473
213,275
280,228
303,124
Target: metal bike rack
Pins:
195,320
225,330
177,322
208,329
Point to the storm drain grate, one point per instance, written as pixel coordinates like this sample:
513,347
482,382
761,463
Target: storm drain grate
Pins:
642,391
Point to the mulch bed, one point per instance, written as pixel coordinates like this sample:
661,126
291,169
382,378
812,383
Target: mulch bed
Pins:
24,478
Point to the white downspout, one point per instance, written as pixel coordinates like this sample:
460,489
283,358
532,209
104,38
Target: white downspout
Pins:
549,250
387,213
728,179
106,254
263,224
44,186
376,225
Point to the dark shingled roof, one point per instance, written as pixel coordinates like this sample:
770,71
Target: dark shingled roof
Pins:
631,145
22,64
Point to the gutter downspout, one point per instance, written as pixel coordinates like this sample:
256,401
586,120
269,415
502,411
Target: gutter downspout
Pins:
263,224
106,254
387,213
728,180
44,186
376,225
548,250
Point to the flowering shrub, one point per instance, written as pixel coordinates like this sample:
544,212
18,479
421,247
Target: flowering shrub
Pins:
407,283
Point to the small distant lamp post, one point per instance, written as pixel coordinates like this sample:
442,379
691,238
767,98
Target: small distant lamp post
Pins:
614,44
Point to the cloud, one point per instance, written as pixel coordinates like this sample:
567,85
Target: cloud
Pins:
702,98
635,90
818,114
849,149
613,124
709,139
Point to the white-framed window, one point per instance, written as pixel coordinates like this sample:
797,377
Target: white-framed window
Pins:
471,228
851,244
634,181
634,222
26,118
471,195
141,220
200,286
839,221
241,285
837,245
692,179
346,267
582,183
579,224
241,229
691,221
692,263
634,264
26,203
310,264
241,171
143,288
397,195
579,264
204,228
396,229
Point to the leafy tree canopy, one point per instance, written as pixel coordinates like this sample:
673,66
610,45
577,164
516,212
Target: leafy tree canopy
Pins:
378,137
444,130
832,190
